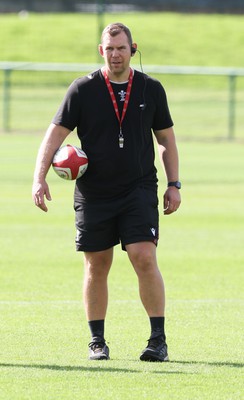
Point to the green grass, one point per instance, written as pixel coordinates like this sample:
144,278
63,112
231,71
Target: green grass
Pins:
44,335
166,38
198,113
199,104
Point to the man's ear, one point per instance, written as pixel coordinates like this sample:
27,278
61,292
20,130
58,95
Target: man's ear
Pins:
133,49
100,49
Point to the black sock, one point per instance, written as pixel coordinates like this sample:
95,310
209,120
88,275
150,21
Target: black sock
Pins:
157,327
97,328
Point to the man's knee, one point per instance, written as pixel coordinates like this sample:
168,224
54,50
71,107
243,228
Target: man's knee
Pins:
98,262
142,256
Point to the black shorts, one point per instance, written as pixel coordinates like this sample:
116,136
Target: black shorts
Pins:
104,224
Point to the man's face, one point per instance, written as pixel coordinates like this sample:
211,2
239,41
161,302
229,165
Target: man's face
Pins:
116,52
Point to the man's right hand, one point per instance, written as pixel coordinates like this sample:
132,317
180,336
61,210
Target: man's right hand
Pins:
39,192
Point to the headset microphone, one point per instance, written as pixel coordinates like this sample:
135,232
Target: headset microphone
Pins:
133,51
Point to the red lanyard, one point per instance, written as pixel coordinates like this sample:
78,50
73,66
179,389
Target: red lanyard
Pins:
115,105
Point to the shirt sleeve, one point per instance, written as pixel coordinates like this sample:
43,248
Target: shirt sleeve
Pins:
68,113
162,117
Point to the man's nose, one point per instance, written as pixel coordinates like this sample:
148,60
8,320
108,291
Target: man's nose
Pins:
115,52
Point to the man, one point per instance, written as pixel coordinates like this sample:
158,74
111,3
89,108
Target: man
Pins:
115,109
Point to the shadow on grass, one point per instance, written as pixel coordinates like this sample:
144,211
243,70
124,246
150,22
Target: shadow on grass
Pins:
91,368
66,367
100,368
211,363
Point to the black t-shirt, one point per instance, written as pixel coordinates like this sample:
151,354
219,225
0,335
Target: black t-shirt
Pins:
114,171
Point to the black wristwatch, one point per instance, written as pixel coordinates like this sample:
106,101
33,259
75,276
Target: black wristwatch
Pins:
176,184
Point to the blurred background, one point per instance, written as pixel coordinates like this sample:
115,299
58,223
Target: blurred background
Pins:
125,5
194,47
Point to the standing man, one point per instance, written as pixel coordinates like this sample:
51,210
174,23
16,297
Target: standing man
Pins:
116,111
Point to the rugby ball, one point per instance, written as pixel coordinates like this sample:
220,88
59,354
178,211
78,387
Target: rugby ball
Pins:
70,162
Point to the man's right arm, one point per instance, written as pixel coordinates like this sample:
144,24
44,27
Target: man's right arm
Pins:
53,139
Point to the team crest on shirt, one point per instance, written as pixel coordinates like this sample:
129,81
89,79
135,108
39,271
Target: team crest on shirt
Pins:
122,94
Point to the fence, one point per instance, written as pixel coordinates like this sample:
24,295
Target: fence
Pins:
31,93
221,6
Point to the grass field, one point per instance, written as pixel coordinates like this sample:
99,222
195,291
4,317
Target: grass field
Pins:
166,38
44,335
199,105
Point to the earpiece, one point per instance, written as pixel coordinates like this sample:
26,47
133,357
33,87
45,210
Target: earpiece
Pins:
133,50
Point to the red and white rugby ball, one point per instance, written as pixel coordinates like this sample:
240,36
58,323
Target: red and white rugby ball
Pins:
70,162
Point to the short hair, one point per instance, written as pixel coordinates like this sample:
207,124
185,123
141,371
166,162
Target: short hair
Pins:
115,29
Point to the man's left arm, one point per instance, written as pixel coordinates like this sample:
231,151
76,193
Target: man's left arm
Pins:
170,160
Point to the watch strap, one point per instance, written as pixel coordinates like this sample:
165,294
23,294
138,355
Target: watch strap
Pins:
176,184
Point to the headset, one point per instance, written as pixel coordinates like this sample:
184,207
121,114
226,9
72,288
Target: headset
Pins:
143,105
133,51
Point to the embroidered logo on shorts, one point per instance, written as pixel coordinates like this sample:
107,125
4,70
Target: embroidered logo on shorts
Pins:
153,230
